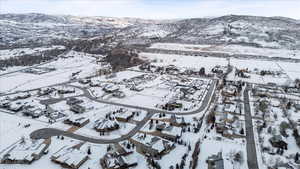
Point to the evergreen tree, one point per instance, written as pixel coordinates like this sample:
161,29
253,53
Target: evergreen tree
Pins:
242,131
296,157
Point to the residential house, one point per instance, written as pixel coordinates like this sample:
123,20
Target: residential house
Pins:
54,115
106,125
111,88
124,116
34,113
229,108
25,151
171,133
118,94
73,101
95,83
297,107
136,88
111,75
160,127
152,146
70,157
215,161
177,121
84,81
77,121
22,95
65,90
229,91
4,103
77,108
45,91
172,106
16,106
116,160
277,141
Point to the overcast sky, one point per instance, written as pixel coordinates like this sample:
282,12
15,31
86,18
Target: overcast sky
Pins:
155,9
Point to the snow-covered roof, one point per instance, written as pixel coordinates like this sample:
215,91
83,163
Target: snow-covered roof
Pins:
172,130
76,119
124,115
70,156
297,106
114,160
24,149
154,142
229,89
105,124
111,87
229,108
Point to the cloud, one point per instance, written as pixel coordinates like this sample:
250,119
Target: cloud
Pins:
156,9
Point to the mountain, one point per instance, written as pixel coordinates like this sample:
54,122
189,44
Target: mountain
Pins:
40,29
101,35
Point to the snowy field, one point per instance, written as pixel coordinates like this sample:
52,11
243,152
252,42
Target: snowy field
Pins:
184,61
80,62
12,128
290,70
8,53
230,49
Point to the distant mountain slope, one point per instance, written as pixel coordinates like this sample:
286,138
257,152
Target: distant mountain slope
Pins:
248,30
40,29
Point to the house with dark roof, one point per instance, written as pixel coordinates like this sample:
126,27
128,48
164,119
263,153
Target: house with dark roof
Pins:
277,141
73,101
215,161
77,108
77,121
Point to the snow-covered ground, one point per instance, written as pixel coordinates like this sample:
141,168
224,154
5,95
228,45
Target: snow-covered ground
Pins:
275,117
8,53
289,69
64,68
230,49
156,89
184,61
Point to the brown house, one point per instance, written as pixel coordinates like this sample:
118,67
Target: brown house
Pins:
152,146
124,116
79,121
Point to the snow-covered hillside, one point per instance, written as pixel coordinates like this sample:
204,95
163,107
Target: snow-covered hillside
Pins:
22,29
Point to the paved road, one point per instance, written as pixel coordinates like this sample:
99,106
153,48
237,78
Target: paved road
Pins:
88,95
49,132
251,150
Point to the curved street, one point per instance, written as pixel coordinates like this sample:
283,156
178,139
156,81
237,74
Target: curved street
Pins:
50,132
